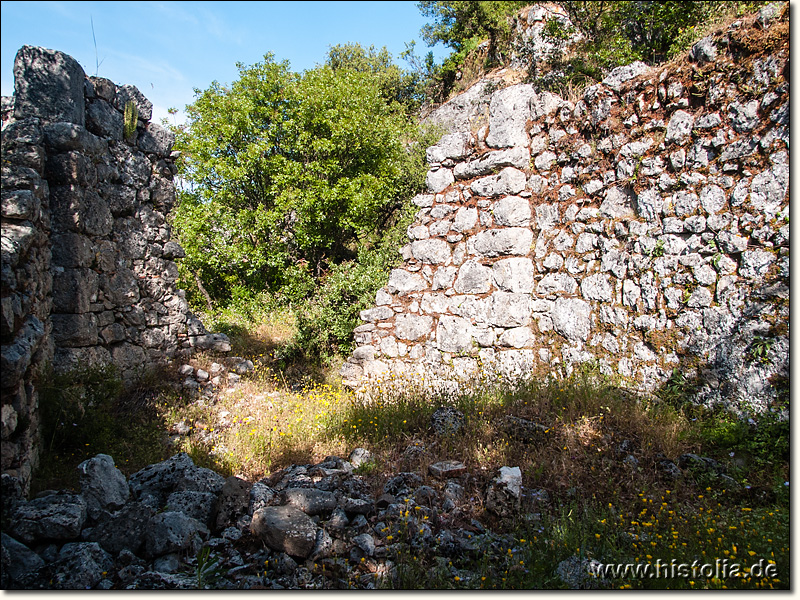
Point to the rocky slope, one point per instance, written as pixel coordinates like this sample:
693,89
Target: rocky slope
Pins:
174,525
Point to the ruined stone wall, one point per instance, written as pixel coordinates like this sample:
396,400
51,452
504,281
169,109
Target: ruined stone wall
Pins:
88,276
644,227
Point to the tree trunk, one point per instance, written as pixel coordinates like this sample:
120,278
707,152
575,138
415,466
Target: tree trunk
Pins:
204,292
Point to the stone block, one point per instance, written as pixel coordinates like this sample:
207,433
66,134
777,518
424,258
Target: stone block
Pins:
510,310
514,275
130,93
453,334
497,242
74,290
155,139
508,181
431,251
74,330
403,282
473,278
48,84
512,211
72,250
412,327
509,111
438,180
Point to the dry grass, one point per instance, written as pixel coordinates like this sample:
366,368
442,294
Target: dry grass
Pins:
602,506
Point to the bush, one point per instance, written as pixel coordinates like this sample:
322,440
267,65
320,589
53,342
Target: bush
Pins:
326,321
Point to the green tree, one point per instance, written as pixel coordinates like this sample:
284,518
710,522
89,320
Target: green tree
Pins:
289,174
396,84
458,23
613,33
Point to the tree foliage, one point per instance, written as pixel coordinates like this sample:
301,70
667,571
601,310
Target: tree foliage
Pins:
456,23
396,84
288,174
613,33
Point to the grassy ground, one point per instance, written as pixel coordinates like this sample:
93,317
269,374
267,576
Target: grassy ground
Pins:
601,507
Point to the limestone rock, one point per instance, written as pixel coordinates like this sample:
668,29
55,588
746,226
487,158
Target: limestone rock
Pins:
438,180
516,337
518,157
57,516
504,494
124,530
233,501
80,566
160,479
571,318
473,278
620,75
755,263
580,573
509,111
703,51
446,420
466,218
556,282
512,211
103,486
453,334
412,327
497,242
514,275
285,529
310,501
510,310
194,504
379,313
49,85
172,531
597,287
446,469
508,181
130,93
402,282
431,251
360,456
451,146
20,564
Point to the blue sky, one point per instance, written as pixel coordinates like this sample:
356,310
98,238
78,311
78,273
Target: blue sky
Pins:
167,49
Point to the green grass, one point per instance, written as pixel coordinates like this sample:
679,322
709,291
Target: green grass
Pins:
88,411
600,507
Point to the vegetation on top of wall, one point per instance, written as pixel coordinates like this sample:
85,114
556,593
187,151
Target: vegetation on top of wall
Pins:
612,33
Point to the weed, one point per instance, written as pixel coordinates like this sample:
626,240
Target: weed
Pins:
82,411
759,349
130,119
658,249
207,569
601,508
677,390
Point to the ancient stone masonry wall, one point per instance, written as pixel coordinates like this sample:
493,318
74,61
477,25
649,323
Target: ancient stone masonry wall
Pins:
644,227
88,273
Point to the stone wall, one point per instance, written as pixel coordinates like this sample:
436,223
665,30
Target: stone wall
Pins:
643,227
88,275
